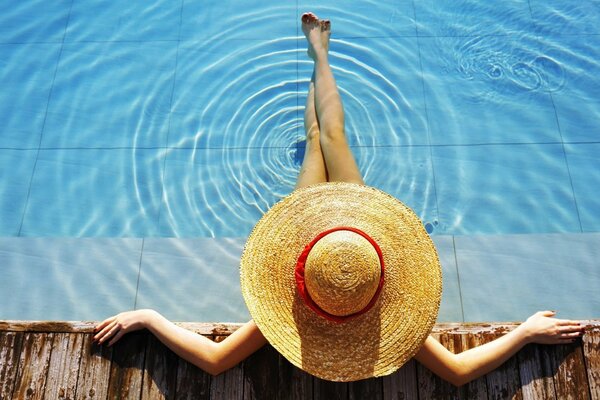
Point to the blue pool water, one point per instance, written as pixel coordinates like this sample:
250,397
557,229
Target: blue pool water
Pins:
168,128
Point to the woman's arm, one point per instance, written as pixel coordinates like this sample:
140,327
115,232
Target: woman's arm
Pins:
212,357
461,368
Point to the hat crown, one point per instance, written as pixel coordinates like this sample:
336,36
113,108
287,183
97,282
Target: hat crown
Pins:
342,272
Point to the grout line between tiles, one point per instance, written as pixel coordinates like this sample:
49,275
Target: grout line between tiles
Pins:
431,163
566,162
164,163
19,232
137,284
462,309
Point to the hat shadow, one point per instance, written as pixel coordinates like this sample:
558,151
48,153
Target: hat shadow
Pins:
341,361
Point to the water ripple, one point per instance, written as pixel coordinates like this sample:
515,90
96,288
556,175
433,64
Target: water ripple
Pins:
249,135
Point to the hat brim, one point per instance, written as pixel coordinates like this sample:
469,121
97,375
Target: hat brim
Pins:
375,343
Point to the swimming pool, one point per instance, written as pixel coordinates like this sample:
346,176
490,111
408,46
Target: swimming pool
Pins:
141,142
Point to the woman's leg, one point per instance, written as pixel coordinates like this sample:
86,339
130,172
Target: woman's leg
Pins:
339,161
313,167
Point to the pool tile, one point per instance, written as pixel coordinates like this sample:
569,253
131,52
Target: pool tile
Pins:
193,279
471,17
26,73
223,192
230,19
99,100
95,193
451,306
237,93
508,278
97,20
383,102
571,63
584,166
486,90
16,167
566,17
33,21
360,19
404,172
66,278
503,189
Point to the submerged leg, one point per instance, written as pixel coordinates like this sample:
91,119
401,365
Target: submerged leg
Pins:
339,161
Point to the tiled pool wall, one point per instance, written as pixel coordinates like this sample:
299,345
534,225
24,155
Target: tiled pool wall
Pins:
486,278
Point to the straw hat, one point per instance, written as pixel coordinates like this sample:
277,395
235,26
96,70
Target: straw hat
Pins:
343,280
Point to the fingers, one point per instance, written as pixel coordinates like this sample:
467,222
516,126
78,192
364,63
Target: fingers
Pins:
110,328
106,332
564,322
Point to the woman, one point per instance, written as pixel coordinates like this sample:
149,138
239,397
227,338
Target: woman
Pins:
329,159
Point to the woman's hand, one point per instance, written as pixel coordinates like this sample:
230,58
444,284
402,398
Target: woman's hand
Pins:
116,326
542,328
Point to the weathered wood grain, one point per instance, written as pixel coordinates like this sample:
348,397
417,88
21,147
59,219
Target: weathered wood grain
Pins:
476,389
126,368
430,385
570,379
366,389
504,382
33,366
293,383
94,370
230,384
535,373
10,349
203,328
327,390
63,371
160,371
591,352
192,382
260,374
402,384
224,329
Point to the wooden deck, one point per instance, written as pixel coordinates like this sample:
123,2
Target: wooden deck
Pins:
57,360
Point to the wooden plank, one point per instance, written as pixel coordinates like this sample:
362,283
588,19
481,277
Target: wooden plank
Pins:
366,389
570,380
192,382
260,374
203,328
293,383
10,349
430,385
503,382
476,389
535,374
591,352
94,370
61,382
160,371
402,384
224,329
126,368
230,384
327,390
33,366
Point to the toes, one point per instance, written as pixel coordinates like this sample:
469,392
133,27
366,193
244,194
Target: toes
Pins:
326,25
309,18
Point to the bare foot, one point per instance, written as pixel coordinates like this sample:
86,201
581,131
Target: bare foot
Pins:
317,34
